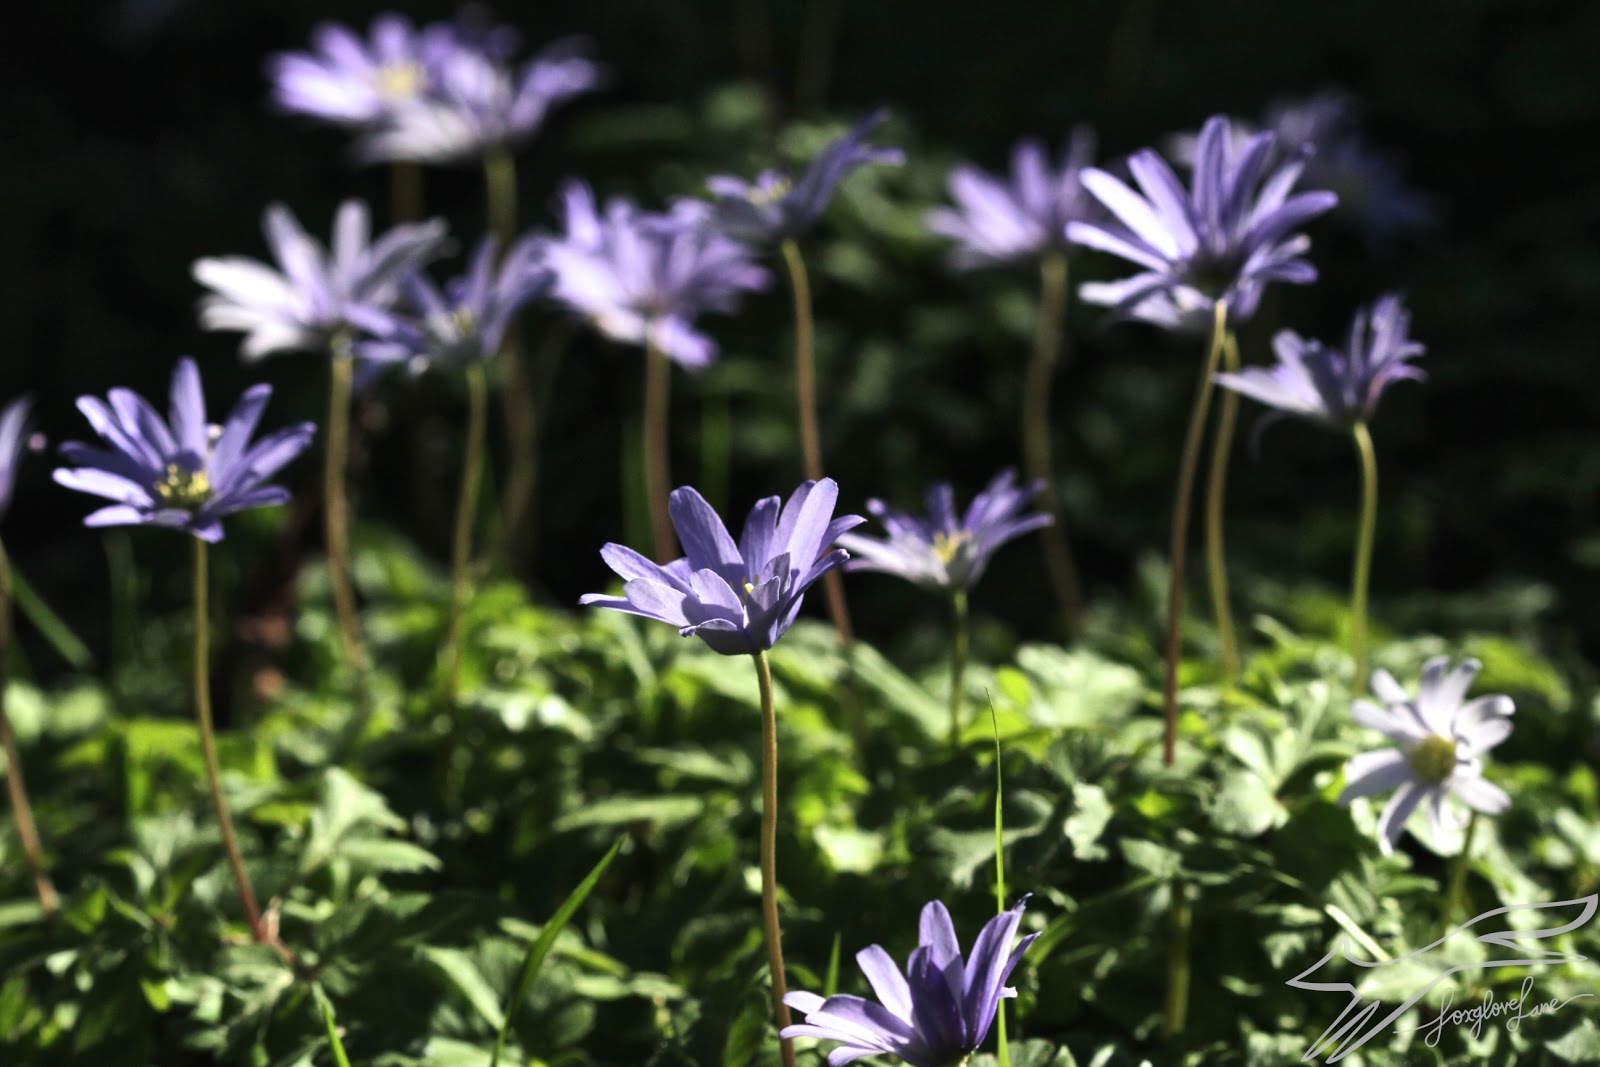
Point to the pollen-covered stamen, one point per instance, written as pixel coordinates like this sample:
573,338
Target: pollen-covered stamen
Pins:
946,545
1434,758
770,191
184,488
399,81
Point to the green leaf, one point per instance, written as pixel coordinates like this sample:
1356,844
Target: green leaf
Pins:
662,812
464,975
547,937
1091,813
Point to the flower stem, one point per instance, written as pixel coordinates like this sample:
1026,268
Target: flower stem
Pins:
16,784
769,852
1047,344
466,506
518,404
958,661
1362,576
335,505
654,441
1216,490
1455,896
805,381
1180,532
208,744
1179,918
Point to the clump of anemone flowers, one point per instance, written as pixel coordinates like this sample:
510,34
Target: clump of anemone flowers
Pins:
1340,388
1023,217
1207,254
186,474
936,1012
740,598
948,554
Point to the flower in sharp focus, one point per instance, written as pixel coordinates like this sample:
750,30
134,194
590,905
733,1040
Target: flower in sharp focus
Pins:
642,278
184,473
776,206
478,104
314,295
738,597
942,552
1329,386
1223,239
467,320
13,438
937,1012
1007,219
1438,744
352,82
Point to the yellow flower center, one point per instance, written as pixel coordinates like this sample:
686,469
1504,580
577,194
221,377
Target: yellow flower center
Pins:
1434,759
399,81
945,545
184,488
770,192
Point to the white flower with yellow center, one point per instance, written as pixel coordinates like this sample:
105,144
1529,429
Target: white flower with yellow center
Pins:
1438,741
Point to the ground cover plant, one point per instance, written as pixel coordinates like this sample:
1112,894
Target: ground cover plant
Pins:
666,590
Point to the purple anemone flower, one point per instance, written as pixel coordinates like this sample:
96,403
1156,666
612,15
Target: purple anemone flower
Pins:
1329,386
941,552
738,598
466,322
643,278
1009,219
776,206
184,473
933,1015
1438,742
477,104
1222,240
314,295
351,82
13,438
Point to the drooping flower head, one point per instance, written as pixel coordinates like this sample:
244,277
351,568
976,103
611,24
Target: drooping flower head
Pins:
1011,218
314,295
737,597
777,206
353,82
1438,744
1329,386
642,278
13,437
1223,239
467,320
942,551
184,473
937,1012
476,103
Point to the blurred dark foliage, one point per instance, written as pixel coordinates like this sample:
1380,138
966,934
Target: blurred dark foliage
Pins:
139,137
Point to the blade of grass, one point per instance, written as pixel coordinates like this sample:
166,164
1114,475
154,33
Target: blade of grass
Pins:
334,1042
1002,1050
830,984
49,624
547,938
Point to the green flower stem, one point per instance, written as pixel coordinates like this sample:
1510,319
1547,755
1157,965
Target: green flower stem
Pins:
466,507
208,745
519,407
1216,490
1047,343
654,443
1456,896
958,661
1362,576
16,784
769,852
405,191
811,448
336,505
1179,919
805,380
1180,531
